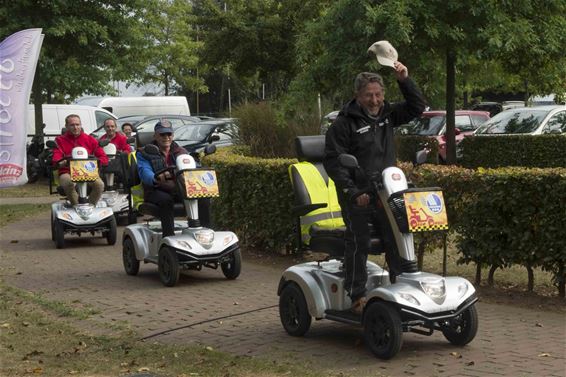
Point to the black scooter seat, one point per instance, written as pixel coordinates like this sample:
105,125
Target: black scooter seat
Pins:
345,316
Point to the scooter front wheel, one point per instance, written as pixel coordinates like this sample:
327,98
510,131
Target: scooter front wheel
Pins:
168,266
463,328
293,310
383,331
231,269
111,232
59,234
131,263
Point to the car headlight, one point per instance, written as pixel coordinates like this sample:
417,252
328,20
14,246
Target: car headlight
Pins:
435,289
205,237
84,210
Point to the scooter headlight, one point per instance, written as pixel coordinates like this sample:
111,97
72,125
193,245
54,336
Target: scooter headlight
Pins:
84,210
435,289
462,289
228,239
205,237
409,297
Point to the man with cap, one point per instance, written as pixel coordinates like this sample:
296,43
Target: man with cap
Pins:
160,190
364,128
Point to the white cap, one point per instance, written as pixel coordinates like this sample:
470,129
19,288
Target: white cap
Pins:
384,52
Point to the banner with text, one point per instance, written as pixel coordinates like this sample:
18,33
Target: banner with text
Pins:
18,59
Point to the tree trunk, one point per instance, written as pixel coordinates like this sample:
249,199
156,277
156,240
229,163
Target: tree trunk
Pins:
561,282
531,278
478,274
490,276
450,106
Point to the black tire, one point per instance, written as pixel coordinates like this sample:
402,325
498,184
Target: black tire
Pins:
168,266
293,310
383,332
132,217
59,230
131,263
232,268
111,233
463,328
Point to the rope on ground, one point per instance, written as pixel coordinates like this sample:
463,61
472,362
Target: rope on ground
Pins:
203,322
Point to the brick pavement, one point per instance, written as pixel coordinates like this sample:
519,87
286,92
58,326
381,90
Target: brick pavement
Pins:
241,316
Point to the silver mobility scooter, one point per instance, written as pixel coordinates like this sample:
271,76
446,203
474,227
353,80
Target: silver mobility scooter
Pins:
83,217
193,245
114,197
418,302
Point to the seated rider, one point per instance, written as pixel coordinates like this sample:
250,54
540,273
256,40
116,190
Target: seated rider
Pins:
116,138
161,190
75,137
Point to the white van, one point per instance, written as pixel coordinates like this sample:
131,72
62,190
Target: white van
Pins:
54,118
150,105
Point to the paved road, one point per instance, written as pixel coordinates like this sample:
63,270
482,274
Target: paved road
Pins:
241,316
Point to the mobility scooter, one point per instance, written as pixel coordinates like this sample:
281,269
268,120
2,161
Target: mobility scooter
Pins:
418,302
83,217
193,246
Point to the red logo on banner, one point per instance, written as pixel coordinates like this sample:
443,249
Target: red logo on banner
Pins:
10,172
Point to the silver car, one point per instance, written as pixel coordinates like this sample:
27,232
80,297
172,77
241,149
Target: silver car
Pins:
526,120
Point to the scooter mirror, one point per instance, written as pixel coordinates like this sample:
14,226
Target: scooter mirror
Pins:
51,144
348,161
209,149
420,157
151,149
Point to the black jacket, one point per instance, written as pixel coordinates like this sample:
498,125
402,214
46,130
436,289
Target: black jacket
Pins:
369,139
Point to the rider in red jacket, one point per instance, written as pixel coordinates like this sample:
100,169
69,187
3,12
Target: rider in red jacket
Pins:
75,137
116,138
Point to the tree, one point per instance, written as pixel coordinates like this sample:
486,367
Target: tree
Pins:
86,45
172,54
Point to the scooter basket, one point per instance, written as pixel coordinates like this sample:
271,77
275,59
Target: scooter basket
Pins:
396,203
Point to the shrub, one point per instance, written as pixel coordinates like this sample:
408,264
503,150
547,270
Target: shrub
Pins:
407,146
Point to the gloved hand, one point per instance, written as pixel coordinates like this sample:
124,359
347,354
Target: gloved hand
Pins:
166,185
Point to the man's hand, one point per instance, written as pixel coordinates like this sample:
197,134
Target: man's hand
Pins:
362,200
62,163
400,71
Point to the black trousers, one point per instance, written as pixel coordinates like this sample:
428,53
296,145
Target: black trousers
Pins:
165,202
358,244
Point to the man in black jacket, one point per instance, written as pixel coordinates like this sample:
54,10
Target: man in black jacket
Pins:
364,128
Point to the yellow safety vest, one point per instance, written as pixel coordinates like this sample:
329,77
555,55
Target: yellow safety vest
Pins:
137,190
327,217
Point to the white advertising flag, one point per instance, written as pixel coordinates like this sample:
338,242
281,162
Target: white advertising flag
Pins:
18,59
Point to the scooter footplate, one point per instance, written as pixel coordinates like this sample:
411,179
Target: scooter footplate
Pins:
345,316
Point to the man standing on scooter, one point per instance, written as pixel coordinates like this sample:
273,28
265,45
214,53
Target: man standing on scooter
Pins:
161,190
364,128
75,137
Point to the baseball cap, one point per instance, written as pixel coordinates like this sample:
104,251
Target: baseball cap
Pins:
384,52
163,127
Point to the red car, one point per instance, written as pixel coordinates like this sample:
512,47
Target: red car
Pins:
433,124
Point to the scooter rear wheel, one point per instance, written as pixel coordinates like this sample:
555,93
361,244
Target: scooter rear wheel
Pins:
232,268
168,266
383,331
293,310
463,328
131,263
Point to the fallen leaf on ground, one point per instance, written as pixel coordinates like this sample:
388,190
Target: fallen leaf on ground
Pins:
456,355
544,354
209,348
143,369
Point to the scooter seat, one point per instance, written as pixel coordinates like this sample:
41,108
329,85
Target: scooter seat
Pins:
331,241
152,209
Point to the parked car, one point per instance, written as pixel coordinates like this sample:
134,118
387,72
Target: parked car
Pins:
144,123
195,136
526,120
327,121
495,108
433,124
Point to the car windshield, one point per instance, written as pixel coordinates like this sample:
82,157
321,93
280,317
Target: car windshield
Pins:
513,122
425,126
194,133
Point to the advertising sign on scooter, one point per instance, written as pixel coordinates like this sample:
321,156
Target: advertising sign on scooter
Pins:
425,211
201,184
84,170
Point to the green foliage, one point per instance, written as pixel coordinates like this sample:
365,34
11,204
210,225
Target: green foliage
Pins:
255,199
514,150
267,134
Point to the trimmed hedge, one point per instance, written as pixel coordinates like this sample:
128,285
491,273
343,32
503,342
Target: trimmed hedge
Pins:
408,145
502,217
540,151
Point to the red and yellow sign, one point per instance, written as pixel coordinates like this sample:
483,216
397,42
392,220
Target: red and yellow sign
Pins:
84,170
201,184
425,211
